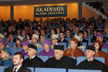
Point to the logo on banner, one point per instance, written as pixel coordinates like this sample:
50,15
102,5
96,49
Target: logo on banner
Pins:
50,11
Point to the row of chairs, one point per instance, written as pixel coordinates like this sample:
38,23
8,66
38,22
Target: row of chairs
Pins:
79,59
15,49
54,70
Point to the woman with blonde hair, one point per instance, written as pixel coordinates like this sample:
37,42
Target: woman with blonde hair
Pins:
74,51
5,58
42,38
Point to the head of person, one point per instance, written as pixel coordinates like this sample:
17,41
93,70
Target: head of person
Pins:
76,29
95,32
5,55
74,42
85,33
42,38
99,37
73,26
63,28
28,36
35,38
37,31
81,34
90,51
90,26
3,43
98,45
62,35
39,27
58,51
47,44
25,45
68,32
58,30
31,51
53,31
23,32
106,29
1,36
10,36
5,34
26,27
89,31
54,38
18,59
19,30
43,32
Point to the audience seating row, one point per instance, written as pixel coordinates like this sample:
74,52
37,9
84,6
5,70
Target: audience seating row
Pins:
55,70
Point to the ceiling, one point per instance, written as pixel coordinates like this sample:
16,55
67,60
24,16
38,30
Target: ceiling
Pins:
37,2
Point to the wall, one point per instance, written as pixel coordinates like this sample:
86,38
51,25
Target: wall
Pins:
4,13
87,13
27,11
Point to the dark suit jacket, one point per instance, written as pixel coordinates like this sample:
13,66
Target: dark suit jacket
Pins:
14,40
21,69
84,40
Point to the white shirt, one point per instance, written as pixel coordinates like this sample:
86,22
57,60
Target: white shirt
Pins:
17,68
89,60
32,57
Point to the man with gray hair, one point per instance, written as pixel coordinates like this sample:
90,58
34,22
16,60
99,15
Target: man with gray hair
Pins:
60,61
33,60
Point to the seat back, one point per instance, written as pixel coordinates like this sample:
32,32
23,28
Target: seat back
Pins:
43,58
50,70
82,70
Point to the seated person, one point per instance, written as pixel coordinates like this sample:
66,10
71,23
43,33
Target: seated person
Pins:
25,47
18,41
35,41
59,60
1,36
54,40
3,44
91,62
62,37
11,38
68,33
5,59
33,60
73,50
81,34
17,64
42,39
47,49
98,53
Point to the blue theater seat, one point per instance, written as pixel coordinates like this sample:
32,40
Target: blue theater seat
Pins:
1,69
63,43
105,50
13,50
31,68
50,70
81,58
20,49
44,58
83,70
26,56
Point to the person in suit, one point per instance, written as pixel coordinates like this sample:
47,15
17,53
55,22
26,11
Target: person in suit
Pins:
68,33
81,34
11,38
17,64
62,37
